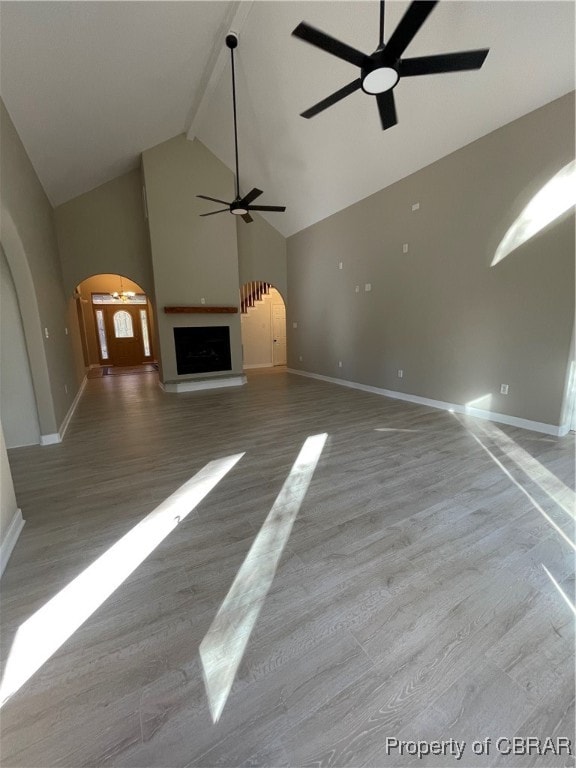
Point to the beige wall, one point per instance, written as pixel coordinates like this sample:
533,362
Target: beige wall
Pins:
73,324
193,258
28,237
457,327
262,253
104,231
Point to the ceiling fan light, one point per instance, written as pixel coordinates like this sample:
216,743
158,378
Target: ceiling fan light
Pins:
380,80
239,211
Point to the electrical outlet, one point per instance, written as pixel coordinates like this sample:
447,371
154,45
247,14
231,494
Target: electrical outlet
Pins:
340,265
400,373
339,363
294,325
368,287
300,358
357,289
202,301
405,248
66,331
415,206
504,389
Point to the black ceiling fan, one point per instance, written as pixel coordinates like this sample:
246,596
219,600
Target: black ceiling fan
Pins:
240,206
380,71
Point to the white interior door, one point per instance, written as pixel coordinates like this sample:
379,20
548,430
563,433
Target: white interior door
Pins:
279,334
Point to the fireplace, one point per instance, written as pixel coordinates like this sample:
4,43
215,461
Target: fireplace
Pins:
202,350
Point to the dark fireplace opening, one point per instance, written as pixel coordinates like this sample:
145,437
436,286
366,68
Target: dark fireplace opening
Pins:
202,350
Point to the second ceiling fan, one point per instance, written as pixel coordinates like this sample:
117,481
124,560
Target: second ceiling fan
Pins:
240,206
380,71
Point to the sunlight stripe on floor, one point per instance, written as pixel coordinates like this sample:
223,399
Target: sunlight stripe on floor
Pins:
223,646
40,636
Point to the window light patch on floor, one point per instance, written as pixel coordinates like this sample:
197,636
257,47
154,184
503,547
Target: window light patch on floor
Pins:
560,591
223,646
391,429
40,636
558,491
508,474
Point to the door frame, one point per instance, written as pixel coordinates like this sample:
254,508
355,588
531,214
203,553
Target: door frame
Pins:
273,335
107,315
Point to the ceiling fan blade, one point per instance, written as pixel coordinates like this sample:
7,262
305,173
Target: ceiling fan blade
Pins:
252,195
267,207
222,210
214,199
333,98
247,218
387,109
409,25
329,44
443,62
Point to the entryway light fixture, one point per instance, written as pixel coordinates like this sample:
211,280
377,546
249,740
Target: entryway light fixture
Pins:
123,295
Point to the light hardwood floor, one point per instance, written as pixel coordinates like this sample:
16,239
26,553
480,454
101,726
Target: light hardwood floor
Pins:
410,600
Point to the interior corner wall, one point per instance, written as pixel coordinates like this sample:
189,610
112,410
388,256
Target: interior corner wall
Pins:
457,327
262,254
194,260
568,413
10,516
73,325
18,411
29,240
104,231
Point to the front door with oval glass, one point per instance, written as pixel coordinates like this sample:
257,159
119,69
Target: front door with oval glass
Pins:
123,334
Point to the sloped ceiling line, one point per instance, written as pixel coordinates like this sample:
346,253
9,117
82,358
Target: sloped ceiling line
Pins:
90,86
219,58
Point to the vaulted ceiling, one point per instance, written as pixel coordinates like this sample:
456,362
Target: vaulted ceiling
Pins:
90,85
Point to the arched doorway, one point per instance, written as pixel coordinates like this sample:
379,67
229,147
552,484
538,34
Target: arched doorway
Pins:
263,322
32,326
18,411
116,322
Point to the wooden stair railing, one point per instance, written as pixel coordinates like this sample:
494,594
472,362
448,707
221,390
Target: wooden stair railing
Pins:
252,292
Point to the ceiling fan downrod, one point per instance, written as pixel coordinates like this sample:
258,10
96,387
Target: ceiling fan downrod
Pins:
240,206
232,43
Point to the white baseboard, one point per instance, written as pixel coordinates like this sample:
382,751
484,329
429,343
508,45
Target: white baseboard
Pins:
50,439
10,539
501,418
22,445
257,365
57,437
67,418
196,385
